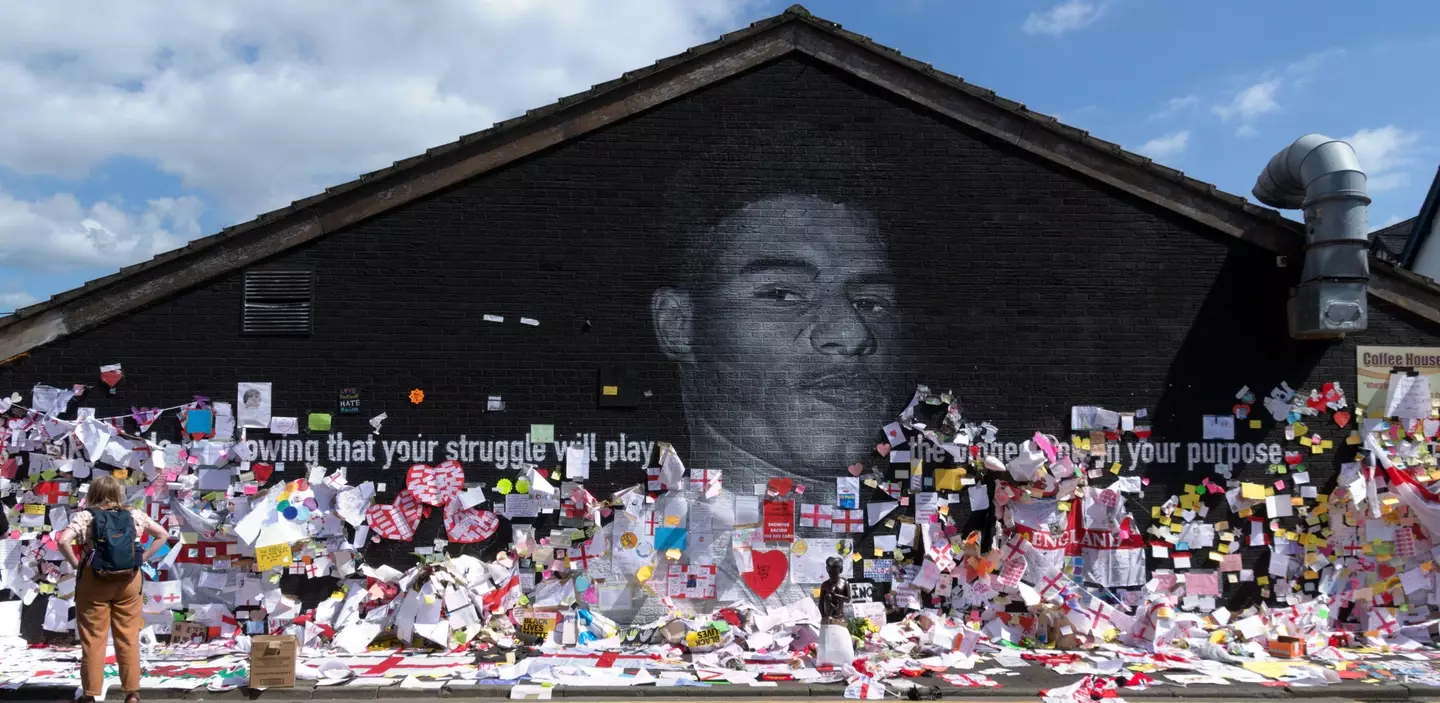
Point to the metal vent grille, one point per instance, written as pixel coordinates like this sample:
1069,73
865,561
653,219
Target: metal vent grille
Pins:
279,303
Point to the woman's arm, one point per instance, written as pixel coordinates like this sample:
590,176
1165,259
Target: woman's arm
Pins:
63,542
160,537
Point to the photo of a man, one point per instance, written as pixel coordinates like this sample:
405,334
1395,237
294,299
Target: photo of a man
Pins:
783,317
784,327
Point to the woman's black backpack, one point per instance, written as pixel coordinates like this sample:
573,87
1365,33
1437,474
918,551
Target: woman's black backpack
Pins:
113,553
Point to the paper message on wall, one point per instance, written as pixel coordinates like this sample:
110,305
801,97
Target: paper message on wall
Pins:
269,557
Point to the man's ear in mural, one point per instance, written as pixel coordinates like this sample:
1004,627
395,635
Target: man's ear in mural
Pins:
671,314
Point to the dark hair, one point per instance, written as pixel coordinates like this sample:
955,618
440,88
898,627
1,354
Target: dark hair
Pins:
724,176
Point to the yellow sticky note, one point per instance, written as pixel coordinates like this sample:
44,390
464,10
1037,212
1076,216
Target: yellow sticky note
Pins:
610,390
35,509
1263,580
1327,444
271,556
1155,512
1255,424
1115,468
948,479
1252,491
1245,512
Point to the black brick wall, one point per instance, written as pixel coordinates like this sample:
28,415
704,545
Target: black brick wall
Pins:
1027,290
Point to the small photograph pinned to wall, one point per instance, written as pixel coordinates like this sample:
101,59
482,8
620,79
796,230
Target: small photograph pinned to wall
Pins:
254,407
617,388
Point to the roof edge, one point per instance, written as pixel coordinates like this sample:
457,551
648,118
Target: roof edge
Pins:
794,30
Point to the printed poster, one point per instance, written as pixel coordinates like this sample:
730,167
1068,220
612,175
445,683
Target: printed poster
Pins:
1372,373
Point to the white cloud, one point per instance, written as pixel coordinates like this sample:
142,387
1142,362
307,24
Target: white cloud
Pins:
1392,220
16,299
1175,106
1261,96
262,102
1168,145
1065,17
1386,154
1252,102
58,233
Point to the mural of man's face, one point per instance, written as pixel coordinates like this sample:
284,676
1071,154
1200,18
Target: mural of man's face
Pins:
786,340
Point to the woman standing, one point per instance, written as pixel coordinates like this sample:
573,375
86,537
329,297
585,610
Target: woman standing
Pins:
106,596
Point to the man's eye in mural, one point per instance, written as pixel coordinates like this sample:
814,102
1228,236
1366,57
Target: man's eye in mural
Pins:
870,305
780,295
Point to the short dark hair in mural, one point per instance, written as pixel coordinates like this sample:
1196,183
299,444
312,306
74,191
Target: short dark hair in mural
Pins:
784,311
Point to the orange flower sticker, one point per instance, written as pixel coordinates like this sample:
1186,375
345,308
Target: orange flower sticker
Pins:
417,396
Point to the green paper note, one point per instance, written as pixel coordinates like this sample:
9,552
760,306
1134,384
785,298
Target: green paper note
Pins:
542,433
319,422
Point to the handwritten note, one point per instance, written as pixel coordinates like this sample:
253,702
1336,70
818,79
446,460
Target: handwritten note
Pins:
271,556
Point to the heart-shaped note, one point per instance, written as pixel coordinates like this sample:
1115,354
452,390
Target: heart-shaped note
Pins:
398,520
770,570
262,471
1342,418
468,525
856,468
780,486
883,448
436,485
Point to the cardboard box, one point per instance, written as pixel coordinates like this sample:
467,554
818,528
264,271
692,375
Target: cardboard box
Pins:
272,661
1286,647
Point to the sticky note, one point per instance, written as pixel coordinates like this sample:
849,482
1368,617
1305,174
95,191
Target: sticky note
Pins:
271,556
540,434
1252,491
610,390
319,422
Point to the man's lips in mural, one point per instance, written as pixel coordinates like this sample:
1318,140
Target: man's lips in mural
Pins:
851,390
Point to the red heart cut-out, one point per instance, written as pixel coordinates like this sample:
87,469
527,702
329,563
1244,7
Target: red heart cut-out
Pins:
398,520
770,569
436,485
468,525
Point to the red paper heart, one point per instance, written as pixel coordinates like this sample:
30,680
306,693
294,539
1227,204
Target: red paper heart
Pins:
1342,418
436,485
262,471
856,468
770,570
398,520
781,486
883,448
1292,458
468,525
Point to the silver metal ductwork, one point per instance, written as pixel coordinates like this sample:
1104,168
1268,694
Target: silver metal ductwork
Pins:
1323,177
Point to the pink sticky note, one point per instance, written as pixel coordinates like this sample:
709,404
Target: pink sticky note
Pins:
800,489
1279,485
250,490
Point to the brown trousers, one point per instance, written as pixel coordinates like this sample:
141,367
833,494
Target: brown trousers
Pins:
100,607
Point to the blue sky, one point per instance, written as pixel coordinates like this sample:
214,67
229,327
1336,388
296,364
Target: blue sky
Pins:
131,129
